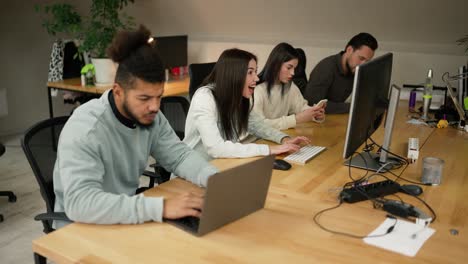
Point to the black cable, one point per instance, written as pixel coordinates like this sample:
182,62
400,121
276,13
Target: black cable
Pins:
398,177
428,207
378,174
318,214
399,198
403,159
377,202
358,184
406,164
349,167
419,183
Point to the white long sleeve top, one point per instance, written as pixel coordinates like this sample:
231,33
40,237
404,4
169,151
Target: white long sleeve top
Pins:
279,110
202,130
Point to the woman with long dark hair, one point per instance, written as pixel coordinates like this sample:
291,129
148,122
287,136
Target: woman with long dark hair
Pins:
220,113
277,98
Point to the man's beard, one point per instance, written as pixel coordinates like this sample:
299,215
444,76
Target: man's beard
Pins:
132,117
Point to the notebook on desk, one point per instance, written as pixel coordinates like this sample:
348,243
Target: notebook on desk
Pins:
231,195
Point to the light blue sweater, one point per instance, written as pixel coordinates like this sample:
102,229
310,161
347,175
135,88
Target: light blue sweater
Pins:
100,160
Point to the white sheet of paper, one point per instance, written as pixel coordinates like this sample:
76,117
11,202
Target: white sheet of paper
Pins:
406,238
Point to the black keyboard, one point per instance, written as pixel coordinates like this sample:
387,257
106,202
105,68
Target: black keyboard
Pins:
189,222
369,191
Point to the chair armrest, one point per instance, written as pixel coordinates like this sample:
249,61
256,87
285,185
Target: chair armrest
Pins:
150,174
52,216
153,176
159,174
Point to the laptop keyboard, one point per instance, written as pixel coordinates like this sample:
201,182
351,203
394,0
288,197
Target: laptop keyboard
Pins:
189,222
305,154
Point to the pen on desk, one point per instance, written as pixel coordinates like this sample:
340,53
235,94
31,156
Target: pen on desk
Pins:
415,234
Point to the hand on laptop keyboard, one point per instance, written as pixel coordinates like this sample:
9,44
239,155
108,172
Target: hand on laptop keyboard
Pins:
187,204
190,222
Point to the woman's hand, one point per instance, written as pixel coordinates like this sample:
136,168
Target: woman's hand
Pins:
284,148
314,113
301,140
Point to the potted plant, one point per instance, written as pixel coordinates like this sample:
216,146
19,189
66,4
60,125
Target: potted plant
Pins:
93,32
61,19
105,19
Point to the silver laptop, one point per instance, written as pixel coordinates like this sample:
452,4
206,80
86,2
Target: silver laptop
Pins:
231,195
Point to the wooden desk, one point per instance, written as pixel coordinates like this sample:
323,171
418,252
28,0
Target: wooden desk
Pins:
284,231
174,87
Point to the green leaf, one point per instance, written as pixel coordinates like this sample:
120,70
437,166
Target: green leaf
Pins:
96,30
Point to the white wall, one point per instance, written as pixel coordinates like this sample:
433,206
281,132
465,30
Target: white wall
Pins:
409,67
24,51
421,33
416,25
3,102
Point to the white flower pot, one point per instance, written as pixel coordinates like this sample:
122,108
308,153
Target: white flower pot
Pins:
105,71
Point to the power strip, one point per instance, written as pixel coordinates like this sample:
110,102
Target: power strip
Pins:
369,191
413,149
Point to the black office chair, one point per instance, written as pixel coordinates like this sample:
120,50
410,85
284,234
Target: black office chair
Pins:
39,144
198,72
11,196
175,109
300,76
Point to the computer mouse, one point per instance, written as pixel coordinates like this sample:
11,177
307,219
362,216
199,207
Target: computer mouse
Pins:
411,189
281,165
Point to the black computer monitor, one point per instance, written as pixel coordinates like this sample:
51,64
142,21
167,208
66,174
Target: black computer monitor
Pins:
369,103
173,50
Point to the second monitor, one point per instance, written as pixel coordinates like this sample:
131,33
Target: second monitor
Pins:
173,50
370,101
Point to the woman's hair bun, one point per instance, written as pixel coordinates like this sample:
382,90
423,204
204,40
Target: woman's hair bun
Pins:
126,42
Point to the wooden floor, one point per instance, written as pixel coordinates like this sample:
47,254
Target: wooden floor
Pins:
18,228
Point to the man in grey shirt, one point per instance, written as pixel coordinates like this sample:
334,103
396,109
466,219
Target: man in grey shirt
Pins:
104,146
332,78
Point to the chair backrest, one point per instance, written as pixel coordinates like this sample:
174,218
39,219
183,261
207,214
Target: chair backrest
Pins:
39,143
175,108
198,72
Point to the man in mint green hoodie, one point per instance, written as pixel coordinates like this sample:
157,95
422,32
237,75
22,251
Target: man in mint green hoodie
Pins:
104,147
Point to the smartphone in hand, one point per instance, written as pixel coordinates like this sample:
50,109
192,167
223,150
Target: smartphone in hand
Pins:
322,103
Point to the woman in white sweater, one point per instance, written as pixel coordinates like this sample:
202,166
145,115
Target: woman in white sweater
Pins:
220,113
277,98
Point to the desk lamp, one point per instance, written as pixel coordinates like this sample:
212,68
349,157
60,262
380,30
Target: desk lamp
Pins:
447,79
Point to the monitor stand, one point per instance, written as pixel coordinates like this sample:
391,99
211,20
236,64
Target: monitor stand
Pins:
371,161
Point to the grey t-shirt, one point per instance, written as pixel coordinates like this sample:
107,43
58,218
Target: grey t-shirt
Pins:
328,81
